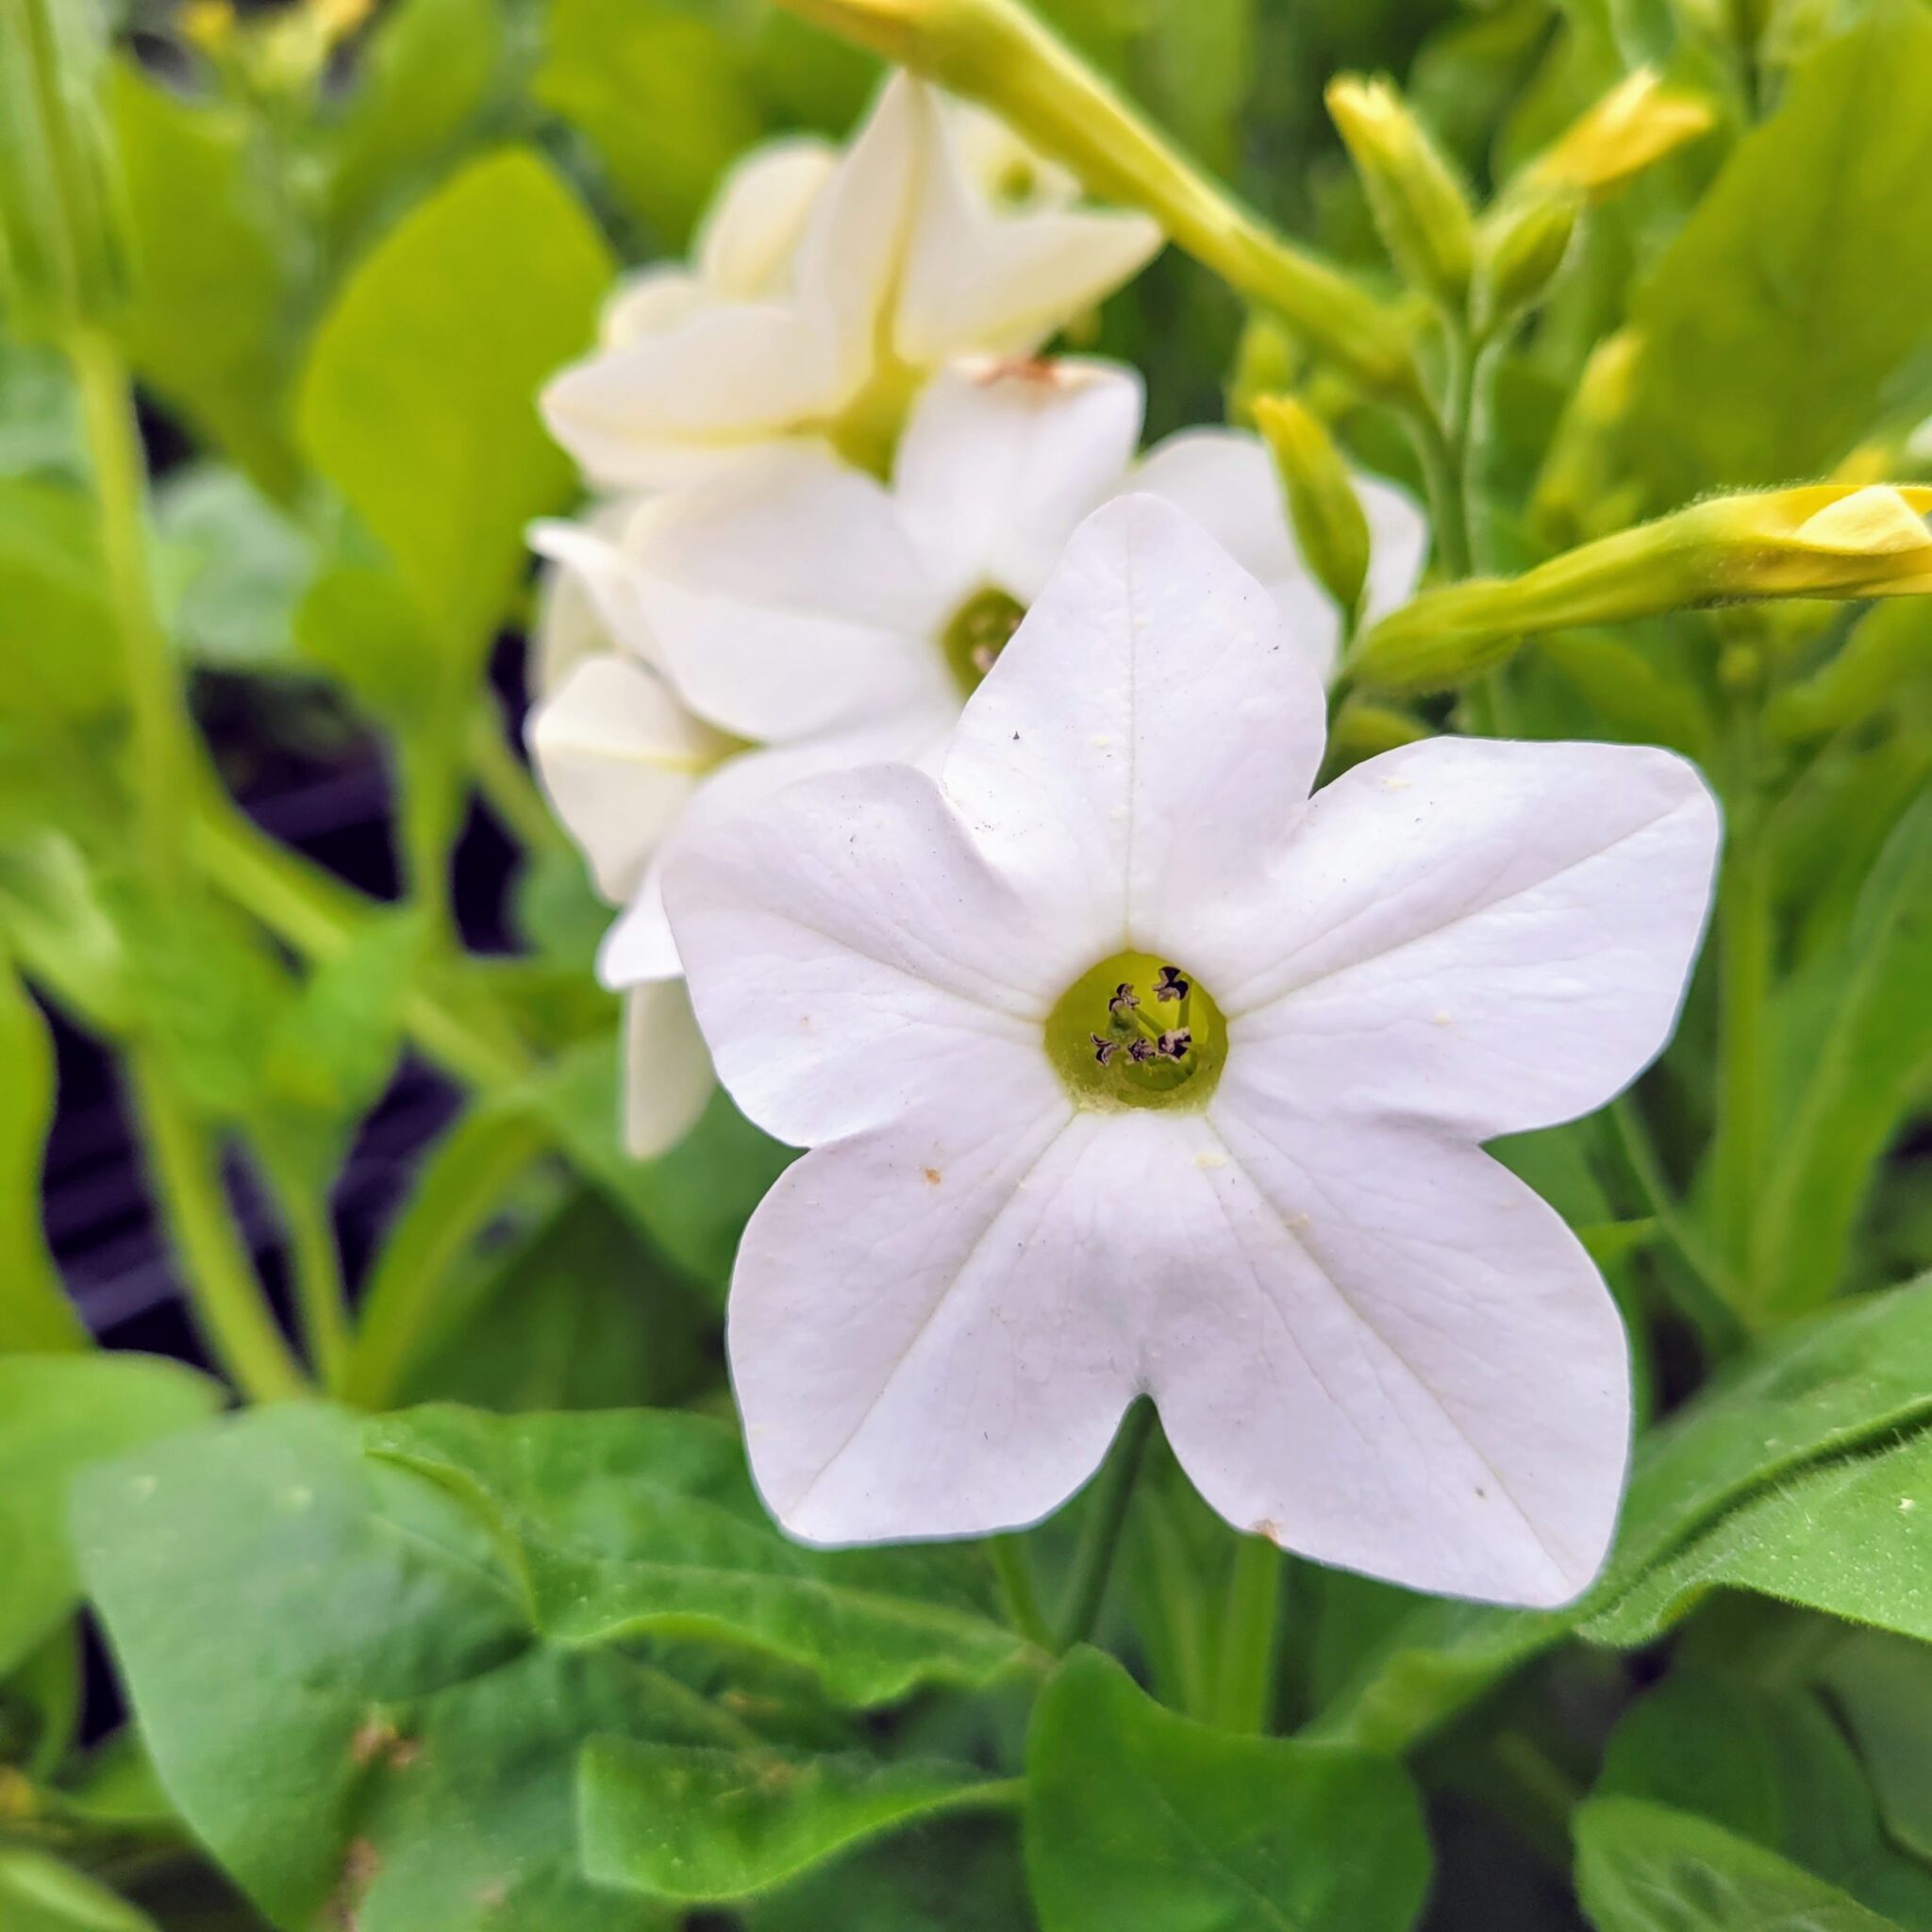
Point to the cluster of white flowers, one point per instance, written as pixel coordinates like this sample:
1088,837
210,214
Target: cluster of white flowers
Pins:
1125,1066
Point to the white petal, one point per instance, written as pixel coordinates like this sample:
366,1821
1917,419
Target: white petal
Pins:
785,596
851,954
653,299
569,625
1004,167
619,757
686,401
639,946
1492,936
667,1072
1001,459
1398,545
976,278
928,1331
1382,1350
749,234
1145,743
589,557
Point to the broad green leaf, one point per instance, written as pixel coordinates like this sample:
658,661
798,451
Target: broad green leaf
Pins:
1787,318
1136,1816
1771,1766
705,1827
1882,1688
656,88
418,399
1853,1538
646,1523
244,567
1645,1868
341,1690
58,1414
956,1874
37,1893
34,1314
215,325
426,75
1865,1072
55,627
1841,1380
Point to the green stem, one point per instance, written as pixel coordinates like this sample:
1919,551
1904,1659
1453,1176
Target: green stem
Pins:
507,786
1442,479
1106,1514
222,1283
461,1189
315,1266
1248,1636
1009,1554
1709,1300
1178,1593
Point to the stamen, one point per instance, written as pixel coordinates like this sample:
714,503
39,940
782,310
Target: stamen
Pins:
1124,1001
1176,1044
1139,1052
1103,1048
1169,984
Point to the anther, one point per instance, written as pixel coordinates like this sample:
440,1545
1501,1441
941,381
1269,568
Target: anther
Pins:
1169,984
1103,1048
1124,1001
1139,1051
1176,1044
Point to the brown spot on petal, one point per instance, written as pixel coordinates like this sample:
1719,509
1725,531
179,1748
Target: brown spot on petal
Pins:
1269,1528
932,1174
1038,369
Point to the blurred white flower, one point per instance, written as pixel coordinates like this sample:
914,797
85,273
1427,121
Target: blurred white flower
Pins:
1126,1066
823,287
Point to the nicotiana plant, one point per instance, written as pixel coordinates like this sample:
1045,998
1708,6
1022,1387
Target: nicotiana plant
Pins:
1086,1237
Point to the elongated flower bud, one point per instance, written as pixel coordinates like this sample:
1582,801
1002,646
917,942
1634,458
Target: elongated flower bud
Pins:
1826,540
1634,126
1419,205
1519,247
1330,526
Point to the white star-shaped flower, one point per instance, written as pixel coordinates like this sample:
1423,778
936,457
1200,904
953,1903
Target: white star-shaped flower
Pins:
825,287
1366,1339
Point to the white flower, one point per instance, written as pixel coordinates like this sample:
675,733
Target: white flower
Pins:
795,605
1366,1339
825,287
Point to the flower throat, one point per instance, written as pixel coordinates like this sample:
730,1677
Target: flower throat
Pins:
1137,1030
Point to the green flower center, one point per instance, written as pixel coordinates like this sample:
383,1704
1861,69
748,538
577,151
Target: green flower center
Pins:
1137,1031
977,632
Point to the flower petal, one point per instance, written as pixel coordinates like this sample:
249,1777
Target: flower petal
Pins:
926,1329
639,946
569,625
851,954
619,757
750,232
1386,1352
1145,743
785,596
976,278
667,1071
653,299
1001,459
1492,936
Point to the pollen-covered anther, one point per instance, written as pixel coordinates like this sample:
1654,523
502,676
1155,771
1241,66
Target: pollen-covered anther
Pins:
1140,1051
1169,984
1103,1048
1124,1001
1174,1043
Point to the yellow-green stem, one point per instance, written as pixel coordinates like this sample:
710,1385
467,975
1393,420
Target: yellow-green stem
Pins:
507,786
1106,1515
315,1270
1744,972
1248,1634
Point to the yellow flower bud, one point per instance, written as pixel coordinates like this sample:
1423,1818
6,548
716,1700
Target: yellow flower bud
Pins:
1825,540
1329,524
1520,248
208,25
1419,205
1637,123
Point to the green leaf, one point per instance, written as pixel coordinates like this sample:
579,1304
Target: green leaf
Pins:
1888,654
656,89
40,415
1882,1688
1853,1538
427,71
55,623
58,1414
38,1894
418,399
1644,1868
646,1523
1787,319
1826,1387
244,567
214,325
957,1874
341,1690
1865,1073
34,1314
1771,1766
1136,1816
706,1826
